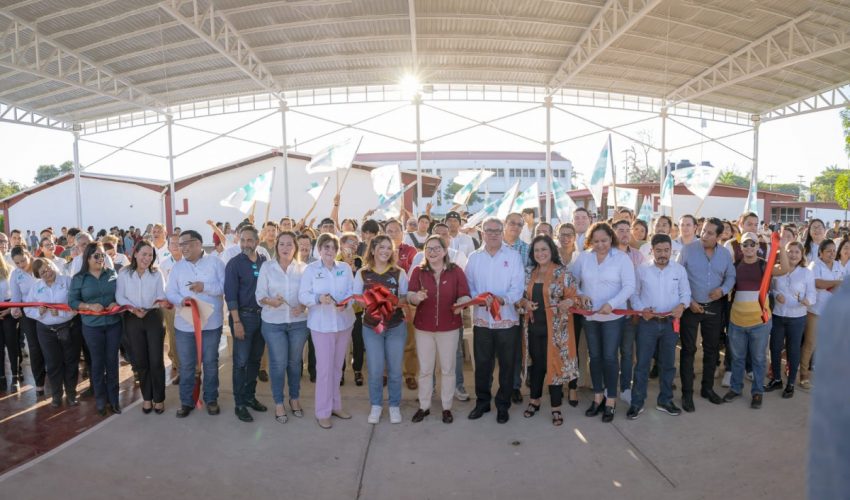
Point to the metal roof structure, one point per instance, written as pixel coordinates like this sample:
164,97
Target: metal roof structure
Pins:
70,63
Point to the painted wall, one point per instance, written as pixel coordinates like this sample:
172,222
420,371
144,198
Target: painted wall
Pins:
722,207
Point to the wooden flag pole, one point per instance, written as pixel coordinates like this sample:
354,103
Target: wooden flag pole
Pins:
696,214
253,209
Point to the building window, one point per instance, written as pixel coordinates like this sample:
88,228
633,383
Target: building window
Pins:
785,214
500,172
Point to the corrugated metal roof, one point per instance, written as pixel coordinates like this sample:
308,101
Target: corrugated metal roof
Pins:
53,53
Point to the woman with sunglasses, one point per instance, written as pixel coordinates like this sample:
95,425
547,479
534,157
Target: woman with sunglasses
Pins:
60,346
20,282
141,286
48,251
828,276
93,289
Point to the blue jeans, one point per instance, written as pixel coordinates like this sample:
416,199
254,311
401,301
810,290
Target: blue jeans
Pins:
188,354
627,346
603,342
652,334
385,350
751,340
788,333
103,342
247,353
286,350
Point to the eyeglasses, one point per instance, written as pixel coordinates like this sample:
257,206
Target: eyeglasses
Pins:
186,243
434,249
567,235
493,231
748,244
98,256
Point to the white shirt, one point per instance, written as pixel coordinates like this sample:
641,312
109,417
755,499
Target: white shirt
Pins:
797,285
821,272
121,260
526,235
210,271
661,289
273,281
338,282
166,266
139,291
419,237
56,294
60,263
611,282
162,252
234,250
73,267
5,292
20,283
502,275
462,243
456,257
675,250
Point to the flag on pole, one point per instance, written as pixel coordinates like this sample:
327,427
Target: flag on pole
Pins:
259,189
752,197
507,201
564,205
699,180
529,198
386,180
627,197
334,157
597,178
667,191
316,188
471,181
387,203
495,207
646,210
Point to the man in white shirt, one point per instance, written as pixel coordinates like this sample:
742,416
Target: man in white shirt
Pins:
663,225
417,239
623,230
581,221
662,287
687,229
460,241
160,243
528,224
200,277
166,265
496,269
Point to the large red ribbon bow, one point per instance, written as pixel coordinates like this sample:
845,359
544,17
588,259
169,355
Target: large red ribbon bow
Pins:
380,304
481,300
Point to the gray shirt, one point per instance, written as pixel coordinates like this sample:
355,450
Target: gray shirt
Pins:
704,273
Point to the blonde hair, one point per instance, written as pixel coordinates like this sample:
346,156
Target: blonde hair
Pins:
4,269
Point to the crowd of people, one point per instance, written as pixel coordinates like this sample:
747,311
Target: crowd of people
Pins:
399,293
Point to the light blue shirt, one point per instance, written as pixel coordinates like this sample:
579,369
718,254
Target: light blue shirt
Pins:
706,274
661,289
210,271
338,282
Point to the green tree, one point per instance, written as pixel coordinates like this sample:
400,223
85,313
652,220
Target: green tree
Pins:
823,187
842,189
47,172
731,178
453,188
845,123
9,188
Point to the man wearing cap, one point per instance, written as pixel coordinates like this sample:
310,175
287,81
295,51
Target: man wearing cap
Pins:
460,241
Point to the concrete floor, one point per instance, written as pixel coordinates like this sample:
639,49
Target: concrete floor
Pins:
727,451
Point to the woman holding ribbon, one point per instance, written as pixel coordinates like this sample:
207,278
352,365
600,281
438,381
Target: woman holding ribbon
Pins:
9,341
828,276
381,283
20,283
548,335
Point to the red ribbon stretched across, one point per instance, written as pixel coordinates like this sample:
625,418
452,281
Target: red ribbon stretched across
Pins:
67,308
629,312
380,304
196,323
768,272
481,300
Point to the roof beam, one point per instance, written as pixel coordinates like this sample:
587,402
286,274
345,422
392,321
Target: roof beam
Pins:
68,67
21,116
838,97
411,14
281,3
216,31
614,19
785,46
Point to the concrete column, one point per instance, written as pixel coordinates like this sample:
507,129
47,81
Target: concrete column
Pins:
78,197
546,215
171,194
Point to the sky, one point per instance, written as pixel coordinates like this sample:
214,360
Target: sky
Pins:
788,147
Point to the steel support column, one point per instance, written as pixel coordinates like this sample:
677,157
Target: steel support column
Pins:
283,109
417,101
171,194
663,168
546,215
755,173
79,198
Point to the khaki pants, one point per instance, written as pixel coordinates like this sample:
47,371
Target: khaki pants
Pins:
410,365
809,340
429,345
168,315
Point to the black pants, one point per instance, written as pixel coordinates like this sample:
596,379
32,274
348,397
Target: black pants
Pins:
146,336
311,359
356,344
61,351
709,323
77,329
488,345
36,356
538,345
10,344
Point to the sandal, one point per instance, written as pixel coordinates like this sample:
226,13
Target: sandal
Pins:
281,419
298,412
531,410
557,419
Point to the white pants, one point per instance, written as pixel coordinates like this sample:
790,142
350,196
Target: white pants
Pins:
428,346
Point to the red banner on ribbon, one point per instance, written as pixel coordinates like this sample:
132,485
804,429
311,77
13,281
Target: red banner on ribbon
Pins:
67,308
380,304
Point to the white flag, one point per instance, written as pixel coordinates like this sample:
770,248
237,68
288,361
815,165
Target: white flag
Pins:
316,188
667,191
699,180
386,180
387,203
646,210
471,181
627,197
529,198
597,178
334,157
752,197
259,189
563,203
495,208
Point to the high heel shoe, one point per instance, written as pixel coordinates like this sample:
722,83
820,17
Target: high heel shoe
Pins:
595,408
573,402
159,410
531,410
146,410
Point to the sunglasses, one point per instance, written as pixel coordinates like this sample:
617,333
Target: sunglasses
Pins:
98,256
748,244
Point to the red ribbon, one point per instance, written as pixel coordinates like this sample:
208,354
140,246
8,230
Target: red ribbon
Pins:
380,304
629,312
481,300
196,323
67,308
768,272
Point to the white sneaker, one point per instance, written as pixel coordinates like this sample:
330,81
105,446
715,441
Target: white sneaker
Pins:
375,415
395,415
750,376
461,394
626,396
727,380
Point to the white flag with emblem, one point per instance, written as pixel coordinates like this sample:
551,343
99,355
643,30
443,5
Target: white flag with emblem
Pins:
564,205
752,197
699,180
646,210
529,198
259,189
627,197
667,191
334,157
495,208
597,178
471,180
316,188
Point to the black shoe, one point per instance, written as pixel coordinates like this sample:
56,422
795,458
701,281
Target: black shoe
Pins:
502,416
101,412
730,396
72,401
755,404
710,395
184,411
688,403
516,396
175,380
342,380
243,415
447,417
263,376
653,372
213,408
135,377
478,412
256,405
39,393
608,415
114,409
634,412
788,393
420,415
88,392
57,402
773,385
358,379
147,410
595,408
313,378
670,409
531,410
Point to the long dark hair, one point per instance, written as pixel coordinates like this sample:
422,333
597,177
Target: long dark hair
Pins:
807,246
134,265
91,248
553,250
